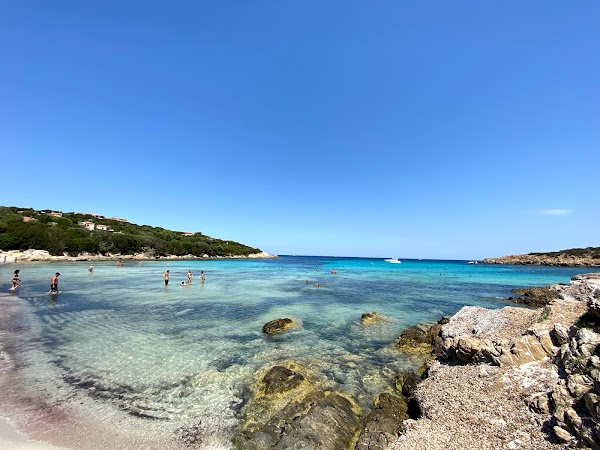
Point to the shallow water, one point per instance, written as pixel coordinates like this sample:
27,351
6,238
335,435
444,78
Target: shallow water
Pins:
181,355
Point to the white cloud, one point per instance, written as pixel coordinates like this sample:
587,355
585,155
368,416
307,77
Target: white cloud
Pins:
556,212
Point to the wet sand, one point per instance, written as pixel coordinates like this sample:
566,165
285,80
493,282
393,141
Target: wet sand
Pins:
11,439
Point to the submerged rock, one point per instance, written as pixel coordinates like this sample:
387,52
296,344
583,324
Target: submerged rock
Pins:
289,408
280,379
277,326
419,339
371,317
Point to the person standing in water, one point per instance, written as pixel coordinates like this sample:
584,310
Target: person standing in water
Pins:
54,283
166,277
16,281
189,277
91,268
202,276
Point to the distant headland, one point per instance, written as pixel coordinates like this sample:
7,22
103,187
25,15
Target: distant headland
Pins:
76,235
575,257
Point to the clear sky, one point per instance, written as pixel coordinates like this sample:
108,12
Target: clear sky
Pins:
431,129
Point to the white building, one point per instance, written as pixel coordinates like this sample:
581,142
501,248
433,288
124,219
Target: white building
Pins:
87,225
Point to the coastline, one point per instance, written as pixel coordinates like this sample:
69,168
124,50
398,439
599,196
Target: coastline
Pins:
33,255
545,260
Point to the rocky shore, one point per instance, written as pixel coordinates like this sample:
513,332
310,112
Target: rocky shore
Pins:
514,377
43,255
561,260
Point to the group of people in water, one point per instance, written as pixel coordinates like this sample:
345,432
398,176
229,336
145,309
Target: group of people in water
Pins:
188,281
16,282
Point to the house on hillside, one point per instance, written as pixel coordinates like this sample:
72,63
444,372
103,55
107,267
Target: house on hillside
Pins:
104,228
91,226
187,233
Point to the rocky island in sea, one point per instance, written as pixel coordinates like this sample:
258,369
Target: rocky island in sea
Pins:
575,257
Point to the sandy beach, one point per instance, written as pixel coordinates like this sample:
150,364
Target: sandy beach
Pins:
11,439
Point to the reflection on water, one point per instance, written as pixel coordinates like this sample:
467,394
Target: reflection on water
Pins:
179,355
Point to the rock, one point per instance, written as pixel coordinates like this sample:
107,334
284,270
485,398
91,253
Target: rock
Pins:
594,308
277,326
280,379
591,403
406,382
384,423
572,421
540,403
562,435
444,320
415,339
323,420
561,334
370,317
535,296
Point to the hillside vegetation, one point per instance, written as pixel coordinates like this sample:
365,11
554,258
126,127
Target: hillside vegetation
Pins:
59,233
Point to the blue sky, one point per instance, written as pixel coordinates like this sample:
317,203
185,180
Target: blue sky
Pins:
412,129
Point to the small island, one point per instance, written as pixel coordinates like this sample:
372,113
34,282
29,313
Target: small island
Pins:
575,257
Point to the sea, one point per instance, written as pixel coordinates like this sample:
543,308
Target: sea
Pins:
118,359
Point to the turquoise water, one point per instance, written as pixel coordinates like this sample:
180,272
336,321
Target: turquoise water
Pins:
182,355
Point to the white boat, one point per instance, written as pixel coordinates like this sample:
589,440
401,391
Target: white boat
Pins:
393,260
472,262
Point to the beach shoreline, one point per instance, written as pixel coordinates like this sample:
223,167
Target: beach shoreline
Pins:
32,255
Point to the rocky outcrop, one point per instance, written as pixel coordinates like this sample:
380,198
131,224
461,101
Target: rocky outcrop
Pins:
290,409
278,326
421,339
562,260
535,296
518,378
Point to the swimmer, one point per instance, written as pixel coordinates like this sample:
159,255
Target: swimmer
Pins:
91,268
166,277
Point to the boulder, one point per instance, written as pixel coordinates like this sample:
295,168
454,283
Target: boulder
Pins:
324,420
384,423
406,382
277,326
280,379
537,296
370,317
415,339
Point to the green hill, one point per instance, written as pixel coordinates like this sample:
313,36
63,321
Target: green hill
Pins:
59,233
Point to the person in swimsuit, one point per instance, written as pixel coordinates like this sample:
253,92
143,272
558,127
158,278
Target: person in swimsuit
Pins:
189,277
166,277
202,276
54,283
16,280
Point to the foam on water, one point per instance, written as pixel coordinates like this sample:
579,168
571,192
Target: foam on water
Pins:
181,355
